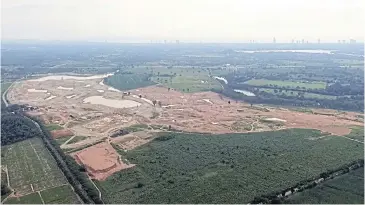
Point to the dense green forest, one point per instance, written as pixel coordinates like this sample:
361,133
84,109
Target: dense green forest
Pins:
15,128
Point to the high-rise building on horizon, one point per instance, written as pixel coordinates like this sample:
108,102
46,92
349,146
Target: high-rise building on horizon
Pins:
339,41
352,41
302,41
319,41
292,41
274,40
343,41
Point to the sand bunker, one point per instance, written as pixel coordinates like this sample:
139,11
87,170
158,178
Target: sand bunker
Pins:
113,89
208,101
100,100
70,96
64,88
100,160
36,91
273,119
68,77
51,97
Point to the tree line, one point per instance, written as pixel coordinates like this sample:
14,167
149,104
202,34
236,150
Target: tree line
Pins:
75,173
277,197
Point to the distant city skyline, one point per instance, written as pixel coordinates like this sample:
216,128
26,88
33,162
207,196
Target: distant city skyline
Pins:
184,20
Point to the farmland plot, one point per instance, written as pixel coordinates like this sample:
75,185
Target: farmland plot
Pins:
31,167
348,188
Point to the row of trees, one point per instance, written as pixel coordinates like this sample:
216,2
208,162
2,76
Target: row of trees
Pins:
75,174
276,197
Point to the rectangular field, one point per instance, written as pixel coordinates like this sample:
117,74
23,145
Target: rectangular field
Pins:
227,168
31,167
33,198
292,84
346,189
57,195
60,195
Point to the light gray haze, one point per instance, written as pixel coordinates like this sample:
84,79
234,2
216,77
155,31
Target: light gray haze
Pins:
184,20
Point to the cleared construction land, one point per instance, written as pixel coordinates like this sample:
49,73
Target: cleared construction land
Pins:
116,135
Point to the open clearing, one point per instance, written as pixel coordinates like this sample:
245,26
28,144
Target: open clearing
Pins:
279,83
31,167
346,189
229,168
100,160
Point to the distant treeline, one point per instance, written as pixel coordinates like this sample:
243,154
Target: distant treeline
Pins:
351,103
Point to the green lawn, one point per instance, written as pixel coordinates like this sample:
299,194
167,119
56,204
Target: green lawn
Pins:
292,84
185,79
61,140
230,168
60,195
357,132
31,167
346,189
51,127
295,93
32,198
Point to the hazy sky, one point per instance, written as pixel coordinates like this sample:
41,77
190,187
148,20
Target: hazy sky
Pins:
186,20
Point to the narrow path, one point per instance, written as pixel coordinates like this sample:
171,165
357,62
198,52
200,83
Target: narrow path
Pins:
62,145
352,139
97,189
39,193
4,95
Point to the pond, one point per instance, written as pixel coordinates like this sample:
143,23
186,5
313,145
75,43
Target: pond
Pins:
245,92
100,100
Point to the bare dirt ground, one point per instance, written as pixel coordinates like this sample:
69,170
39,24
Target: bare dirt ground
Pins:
61,133
100,160
204,112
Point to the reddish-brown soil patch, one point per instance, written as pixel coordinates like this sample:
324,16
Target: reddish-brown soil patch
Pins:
100,160
61,133
189,112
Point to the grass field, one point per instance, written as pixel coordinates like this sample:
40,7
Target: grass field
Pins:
295,93
231,168
185,79
61,140
357,133
128,81
31,167
346,189
262,82
32,198
51,127
60,195
57,195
